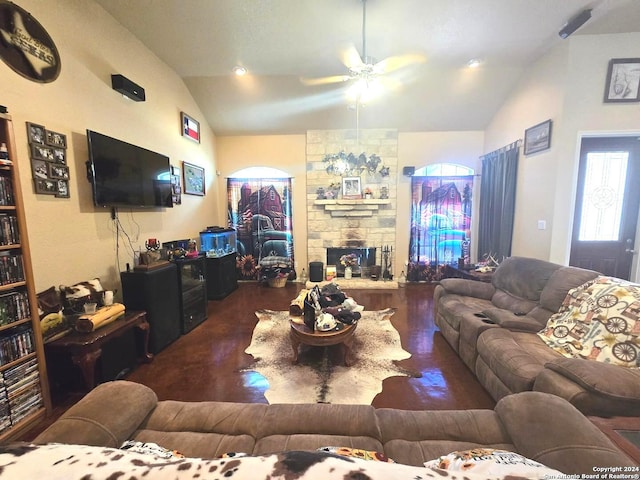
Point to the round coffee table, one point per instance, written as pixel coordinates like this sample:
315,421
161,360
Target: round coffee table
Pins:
301,334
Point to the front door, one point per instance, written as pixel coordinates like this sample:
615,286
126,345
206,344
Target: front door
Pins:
607,202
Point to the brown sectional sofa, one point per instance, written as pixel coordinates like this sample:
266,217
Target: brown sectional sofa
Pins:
539,426
493,328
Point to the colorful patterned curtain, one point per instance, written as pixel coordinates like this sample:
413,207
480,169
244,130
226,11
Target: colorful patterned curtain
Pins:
260,211
440,224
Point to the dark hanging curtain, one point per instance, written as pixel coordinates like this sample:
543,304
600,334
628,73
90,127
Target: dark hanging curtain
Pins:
440,225
497,202
260,211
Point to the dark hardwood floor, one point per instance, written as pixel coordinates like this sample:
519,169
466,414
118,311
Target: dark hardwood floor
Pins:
207,363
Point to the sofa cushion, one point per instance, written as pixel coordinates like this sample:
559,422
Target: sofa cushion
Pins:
515,358
560,282
598,321
453,307
524,278
602,378
414,437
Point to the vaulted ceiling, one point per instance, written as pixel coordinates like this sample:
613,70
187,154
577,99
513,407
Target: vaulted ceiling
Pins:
281,41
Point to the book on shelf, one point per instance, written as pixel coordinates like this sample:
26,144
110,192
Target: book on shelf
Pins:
9,232
6,191
11,268
14,306
16,344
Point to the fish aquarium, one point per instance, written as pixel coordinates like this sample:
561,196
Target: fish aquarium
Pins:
218,241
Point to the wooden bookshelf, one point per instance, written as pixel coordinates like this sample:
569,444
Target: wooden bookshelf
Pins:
24,386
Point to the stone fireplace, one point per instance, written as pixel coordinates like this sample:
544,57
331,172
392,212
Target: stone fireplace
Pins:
351,223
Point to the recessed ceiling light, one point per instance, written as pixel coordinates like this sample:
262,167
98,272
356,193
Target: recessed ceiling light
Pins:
238,70
474,63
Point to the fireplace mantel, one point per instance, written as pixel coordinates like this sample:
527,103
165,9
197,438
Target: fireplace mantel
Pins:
343,207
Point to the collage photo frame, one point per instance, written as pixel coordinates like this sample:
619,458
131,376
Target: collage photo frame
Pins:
49,169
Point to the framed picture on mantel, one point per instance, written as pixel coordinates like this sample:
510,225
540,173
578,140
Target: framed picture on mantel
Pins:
351,188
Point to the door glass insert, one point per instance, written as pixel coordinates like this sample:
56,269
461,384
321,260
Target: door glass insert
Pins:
604,184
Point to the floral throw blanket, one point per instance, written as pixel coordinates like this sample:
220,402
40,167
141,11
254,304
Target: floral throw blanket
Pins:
599,320
82,462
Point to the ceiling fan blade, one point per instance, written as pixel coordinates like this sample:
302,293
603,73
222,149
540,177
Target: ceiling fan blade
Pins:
351,58
397,62
324,80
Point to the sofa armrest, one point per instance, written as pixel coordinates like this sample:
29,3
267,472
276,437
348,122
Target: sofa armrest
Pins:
613,381
511,321
550,430
468,288
106,416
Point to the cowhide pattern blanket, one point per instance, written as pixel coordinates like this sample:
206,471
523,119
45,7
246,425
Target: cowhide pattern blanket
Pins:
82,462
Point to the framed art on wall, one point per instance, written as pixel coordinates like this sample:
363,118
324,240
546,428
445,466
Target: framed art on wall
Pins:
623,81
537,138
35,133
193,179
190,127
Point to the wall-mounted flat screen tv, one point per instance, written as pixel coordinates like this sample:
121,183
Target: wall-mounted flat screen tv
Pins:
125,175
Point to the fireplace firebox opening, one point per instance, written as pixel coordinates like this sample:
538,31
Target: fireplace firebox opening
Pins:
366,258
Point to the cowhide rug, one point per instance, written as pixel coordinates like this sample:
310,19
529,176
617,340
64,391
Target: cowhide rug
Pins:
320,375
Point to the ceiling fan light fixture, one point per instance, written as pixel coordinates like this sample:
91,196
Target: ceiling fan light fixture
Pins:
364,90
239,70
474,63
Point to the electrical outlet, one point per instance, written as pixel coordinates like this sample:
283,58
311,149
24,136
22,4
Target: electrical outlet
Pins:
542,224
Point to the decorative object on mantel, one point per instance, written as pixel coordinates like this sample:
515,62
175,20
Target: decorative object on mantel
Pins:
351,188
384,192
343,163
48,151
368,193
330,193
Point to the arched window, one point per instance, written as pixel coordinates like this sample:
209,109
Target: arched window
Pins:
259,208
440,219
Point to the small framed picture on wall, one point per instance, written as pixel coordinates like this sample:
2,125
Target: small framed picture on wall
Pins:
537,138
193,179
623,81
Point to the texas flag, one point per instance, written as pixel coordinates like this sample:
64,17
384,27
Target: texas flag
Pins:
191,128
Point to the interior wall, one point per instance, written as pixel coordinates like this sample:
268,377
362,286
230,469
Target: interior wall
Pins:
284,152
71,240
538,97
590,116
288,153
565,85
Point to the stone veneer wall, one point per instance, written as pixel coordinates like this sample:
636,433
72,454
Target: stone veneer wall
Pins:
324,230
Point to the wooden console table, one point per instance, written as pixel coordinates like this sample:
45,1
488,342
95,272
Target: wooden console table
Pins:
451,271
86,348
623,431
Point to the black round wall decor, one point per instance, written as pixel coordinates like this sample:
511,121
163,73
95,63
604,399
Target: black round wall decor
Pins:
25,45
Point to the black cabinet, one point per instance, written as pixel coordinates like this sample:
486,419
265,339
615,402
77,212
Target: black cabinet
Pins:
221,276
156,292
193,292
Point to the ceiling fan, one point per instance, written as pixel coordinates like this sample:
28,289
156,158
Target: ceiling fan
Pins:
363,71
